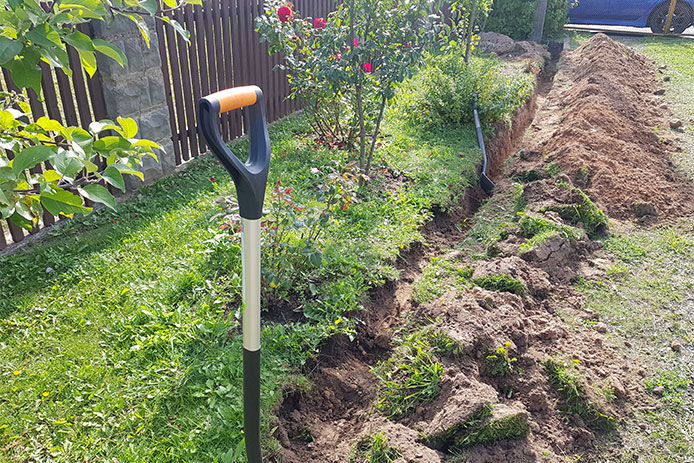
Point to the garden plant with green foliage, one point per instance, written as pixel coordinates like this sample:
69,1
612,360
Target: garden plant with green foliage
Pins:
77,162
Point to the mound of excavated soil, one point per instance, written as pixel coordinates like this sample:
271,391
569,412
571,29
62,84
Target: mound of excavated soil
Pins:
604,124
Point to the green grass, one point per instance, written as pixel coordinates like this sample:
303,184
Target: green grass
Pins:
439,276
565,376
119,335
412,374
373,449
503,283
498,362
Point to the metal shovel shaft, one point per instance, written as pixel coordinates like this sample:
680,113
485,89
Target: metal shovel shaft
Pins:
250,261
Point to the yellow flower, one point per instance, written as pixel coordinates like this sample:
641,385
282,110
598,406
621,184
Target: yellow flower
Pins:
17,372
46,394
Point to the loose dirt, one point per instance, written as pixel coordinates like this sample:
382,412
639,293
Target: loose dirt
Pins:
606,126
597,122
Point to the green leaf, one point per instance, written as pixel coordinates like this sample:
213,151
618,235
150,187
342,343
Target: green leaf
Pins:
51,175
25,71
49,125
98,194
129,126
111,143
141,24
146,144
171,3
68,166
150,5
29,157
114,177
95,6
111,51
177,27
60,201
88,61
79,41
9,48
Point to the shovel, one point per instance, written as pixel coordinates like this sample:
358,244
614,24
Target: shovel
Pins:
485,182
250,179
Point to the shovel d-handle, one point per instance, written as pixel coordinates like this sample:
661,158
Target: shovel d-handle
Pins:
250,177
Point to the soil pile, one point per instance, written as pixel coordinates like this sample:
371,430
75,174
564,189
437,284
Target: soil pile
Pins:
605,125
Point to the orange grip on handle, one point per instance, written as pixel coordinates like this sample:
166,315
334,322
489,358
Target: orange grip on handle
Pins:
235,98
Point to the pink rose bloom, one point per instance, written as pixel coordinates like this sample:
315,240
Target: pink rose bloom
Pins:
356,42
319,23
285,14
367,67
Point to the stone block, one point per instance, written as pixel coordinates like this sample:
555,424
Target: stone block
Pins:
134,51
157,91
167,157
126,98
154,124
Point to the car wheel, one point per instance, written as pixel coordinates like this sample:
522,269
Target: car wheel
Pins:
681,20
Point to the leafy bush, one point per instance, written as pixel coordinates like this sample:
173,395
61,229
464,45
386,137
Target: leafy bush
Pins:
516,18
441,94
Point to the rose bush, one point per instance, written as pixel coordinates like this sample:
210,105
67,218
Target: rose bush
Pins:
345,67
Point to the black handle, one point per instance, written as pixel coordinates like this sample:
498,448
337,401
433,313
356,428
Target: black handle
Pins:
250,177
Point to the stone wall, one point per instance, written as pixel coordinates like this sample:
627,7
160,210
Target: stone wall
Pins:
137,91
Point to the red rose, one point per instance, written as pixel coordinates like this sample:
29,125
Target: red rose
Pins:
285,14
319,23
356,43
366,67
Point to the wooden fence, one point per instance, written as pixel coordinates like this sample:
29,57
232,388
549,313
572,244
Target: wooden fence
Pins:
224,51
76,100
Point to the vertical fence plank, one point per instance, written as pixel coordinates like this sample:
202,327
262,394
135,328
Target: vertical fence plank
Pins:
194,71
187,89
165,70
177,96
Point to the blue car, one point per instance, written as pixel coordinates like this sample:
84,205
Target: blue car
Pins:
636,13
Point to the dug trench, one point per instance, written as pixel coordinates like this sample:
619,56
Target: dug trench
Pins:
512,380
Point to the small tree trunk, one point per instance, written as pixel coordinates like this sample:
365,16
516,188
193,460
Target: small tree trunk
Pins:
540,13
375,137
362,129
470,28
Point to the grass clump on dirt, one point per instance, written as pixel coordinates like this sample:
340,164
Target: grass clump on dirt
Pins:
412,375
565,376
439,277
538,229
498,362
502,283
373,449
490,423
592,218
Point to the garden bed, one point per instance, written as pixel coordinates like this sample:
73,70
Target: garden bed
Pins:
484,348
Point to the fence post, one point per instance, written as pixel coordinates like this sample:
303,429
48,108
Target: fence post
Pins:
137,91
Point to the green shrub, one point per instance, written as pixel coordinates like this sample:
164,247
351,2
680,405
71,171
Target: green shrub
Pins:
516,18
442,92
504,283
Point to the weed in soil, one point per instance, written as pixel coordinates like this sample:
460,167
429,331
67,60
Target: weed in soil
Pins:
441,275
670,385
373,449
565,377
498,362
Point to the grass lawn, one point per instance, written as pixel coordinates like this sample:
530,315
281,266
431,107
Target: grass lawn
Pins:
648,295
120,336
